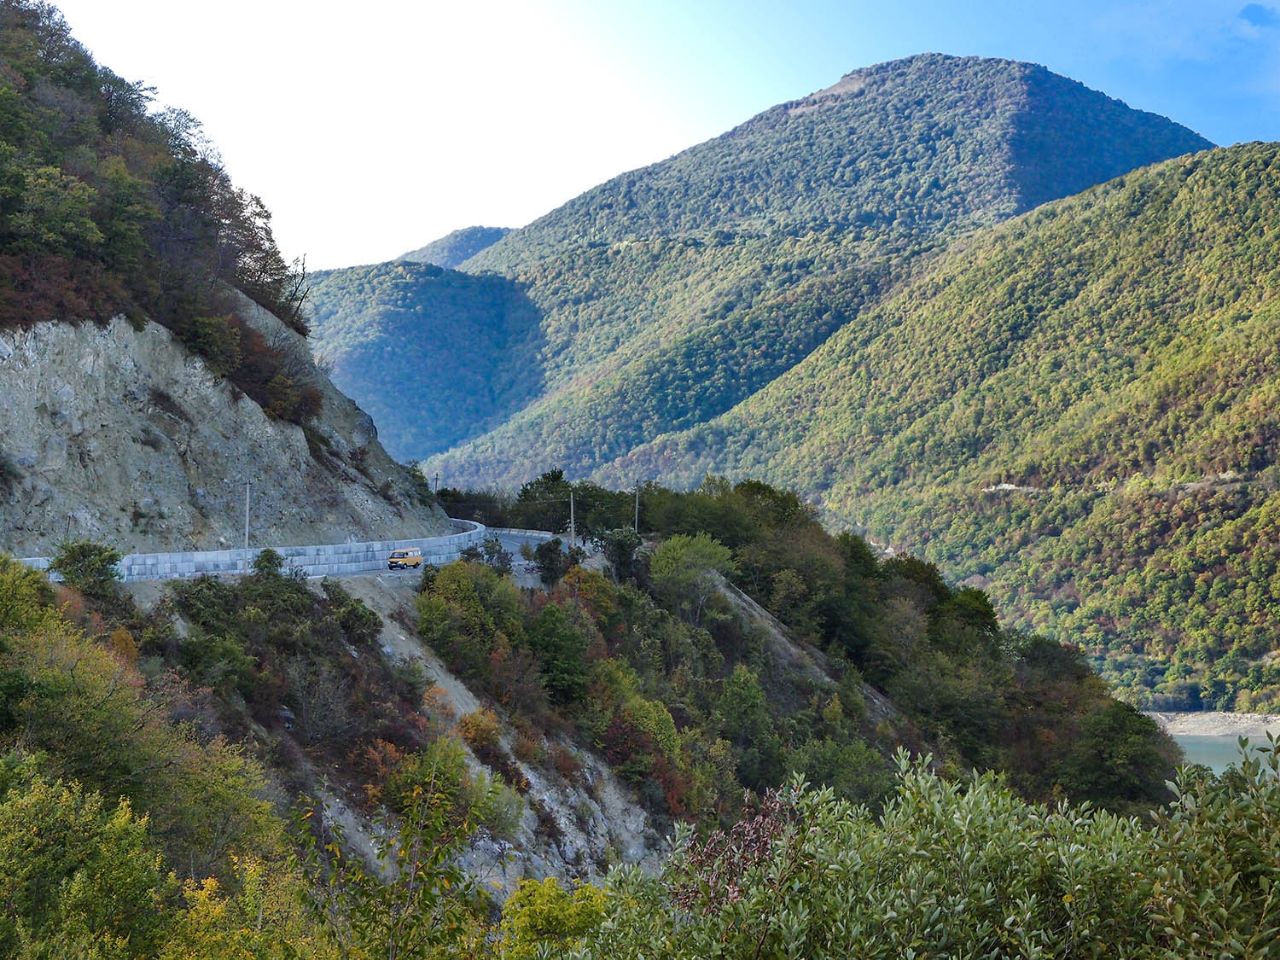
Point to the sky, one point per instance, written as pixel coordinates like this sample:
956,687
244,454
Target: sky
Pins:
372,128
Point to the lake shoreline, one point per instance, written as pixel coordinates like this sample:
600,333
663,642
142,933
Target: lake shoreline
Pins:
1209,723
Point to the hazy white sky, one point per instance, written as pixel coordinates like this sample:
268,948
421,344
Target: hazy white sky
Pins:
370,128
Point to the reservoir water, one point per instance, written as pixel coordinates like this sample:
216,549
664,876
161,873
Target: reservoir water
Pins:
1211,738
1216,753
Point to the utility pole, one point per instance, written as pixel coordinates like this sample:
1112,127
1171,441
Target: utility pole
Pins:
636,527
246,514
437,490
573,529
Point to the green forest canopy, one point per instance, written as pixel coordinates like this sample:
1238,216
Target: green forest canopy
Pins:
1109,360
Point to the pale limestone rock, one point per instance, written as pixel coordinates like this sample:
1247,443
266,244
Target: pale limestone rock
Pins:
123,436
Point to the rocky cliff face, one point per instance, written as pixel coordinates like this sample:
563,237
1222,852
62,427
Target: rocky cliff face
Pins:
120,435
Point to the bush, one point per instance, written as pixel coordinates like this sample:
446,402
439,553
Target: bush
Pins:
951,869
565,761
218,661
268,563
619,546
495,555
467,614
410,679
85,709
26,598
542,918
562,650
439,776
74,870
217,341
551,561
360,625
89,567
528,748
480,731
1218,858
684,572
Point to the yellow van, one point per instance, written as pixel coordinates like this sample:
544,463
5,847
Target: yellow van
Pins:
403,559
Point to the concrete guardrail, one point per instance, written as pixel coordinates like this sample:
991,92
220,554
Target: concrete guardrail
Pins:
335,559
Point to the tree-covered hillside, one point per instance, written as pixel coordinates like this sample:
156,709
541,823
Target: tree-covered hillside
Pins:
109,208
911,147
1076,410
671,293
445,349
453,248
154,760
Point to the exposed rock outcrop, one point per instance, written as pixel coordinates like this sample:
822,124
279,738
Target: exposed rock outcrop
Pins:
121,435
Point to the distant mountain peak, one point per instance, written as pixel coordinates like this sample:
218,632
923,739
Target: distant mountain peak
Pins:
925,146
454,248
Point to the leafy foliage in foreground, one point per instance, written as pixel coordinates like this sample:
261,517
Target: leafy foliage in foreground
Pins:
125,833
952,870
1109,358
947,865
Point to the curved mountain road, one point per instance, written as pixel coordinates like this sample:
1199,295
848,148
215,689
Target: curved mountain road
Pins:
320,560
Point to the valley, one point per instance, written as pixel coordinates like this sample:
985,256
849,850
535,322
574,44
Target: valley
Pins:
1066,406
851,536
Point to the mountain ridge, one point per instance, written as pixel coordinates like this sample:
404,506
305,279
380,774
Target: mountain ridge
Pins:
455,247
701,264
1103,397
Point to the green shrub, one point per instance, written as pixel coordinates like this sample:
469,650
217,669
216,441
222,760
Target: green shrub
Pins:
89,567
684,572
619,546
411,679
550,559
953,869
26,598
75,872
1217,873
439,776
268,563
216,340
542,915
360,625
562,650
219,661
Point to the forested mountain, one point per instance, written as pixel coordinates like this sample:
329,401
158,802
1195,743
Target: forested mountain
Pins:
673,292
453,248
1076,410
909,148
262,765
445,353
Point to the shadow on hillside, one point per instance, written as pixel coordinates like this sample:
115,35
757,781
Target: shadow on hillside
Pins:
435,356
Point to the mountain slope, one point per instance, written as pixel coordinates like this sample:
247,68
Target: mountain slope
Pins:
152,357
673,292
453,248
1076,410
908,147
119,435
435,354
